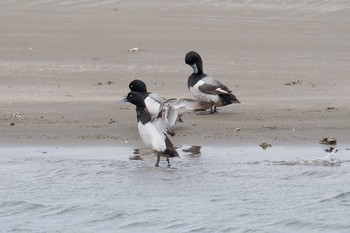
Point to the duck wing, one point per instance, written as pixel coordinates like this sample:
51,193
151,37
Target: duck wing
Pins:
153,101
212,86
172,109
185,105
156,97
161,142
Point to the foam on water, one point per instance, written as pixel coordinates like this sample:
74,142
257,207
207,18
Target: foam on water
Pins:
99,189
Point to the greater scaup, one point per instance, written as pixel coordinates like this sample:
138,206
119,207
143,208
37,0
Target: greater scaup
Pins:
206,88
153,132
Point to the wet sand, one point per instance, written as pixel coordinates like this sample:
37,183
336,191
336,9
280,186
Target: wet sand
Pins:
64,65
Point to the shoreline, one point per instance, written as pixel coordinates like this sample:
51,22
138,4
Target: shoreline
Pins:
249,138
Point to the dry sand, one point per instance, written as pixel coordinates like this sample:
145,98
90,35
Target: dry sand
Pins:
64,65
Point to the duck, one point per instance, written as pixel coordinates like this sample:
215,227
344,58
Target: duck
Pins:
152,100
154,131
332,155
205,88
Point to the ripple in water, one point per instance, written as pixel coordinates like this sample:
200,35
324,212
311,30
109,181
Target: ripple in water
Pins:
80,190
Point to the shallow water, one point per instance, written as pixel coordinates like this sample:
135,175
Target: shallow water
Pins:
99,189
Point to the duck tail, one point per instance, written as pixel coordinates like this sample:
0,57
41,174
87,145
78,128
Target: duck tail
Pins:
227,99
171,153
170,149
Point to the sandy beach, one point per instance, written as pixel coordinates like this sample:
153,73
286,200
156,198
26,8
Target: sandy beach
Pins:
64,65
71,159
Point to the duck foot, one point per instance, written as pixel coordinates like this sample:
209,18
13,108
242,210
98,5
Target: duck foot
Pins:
203,113
212,110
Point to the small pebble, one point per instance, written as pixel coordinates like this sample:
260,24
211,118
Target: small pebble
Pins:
134,50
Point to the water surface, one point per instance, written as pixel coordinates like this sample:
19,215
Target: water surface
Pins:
99,189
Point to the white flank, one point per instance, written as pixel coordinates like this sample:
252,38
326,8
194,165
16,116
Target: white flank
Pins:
151,136
152,106
145,134
203,96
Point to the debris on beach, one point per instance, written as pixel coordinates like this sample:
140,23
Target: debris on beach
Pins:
111,121
17,114
194,150
12,124
124,107
329,141
329,108
106,83
237,129
265,145
134,49
293,82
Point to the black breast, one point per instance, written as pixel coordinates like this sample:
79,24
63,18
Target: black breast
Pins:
194,78
143,115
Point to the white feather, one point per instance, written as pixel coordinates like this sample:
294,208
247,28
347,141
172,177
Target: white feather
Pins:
152,106
153,101
221,90
201,95
152,135
156,97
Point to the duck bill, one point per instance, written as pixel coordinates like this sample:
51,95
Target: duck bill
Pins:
124,100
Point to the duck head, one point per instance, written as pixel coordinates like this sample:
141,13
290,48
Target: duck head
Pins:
138,86
195,61
135,98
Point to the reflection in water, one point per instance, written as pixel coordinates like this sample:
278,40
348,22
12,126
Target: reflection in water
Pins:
193,150
141,154
146,154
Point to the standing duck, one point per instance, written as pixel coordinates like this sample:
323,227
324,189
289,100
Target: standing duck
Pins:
206,88
153,131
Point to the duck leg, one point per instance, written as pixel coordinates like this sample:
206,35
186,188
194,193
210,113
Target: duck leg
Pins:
213,109
167,159
158,158
180,120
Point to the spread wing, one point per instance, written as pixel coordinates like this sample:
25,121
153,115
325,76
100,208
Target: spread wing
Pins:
172,109
185,105
156,97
